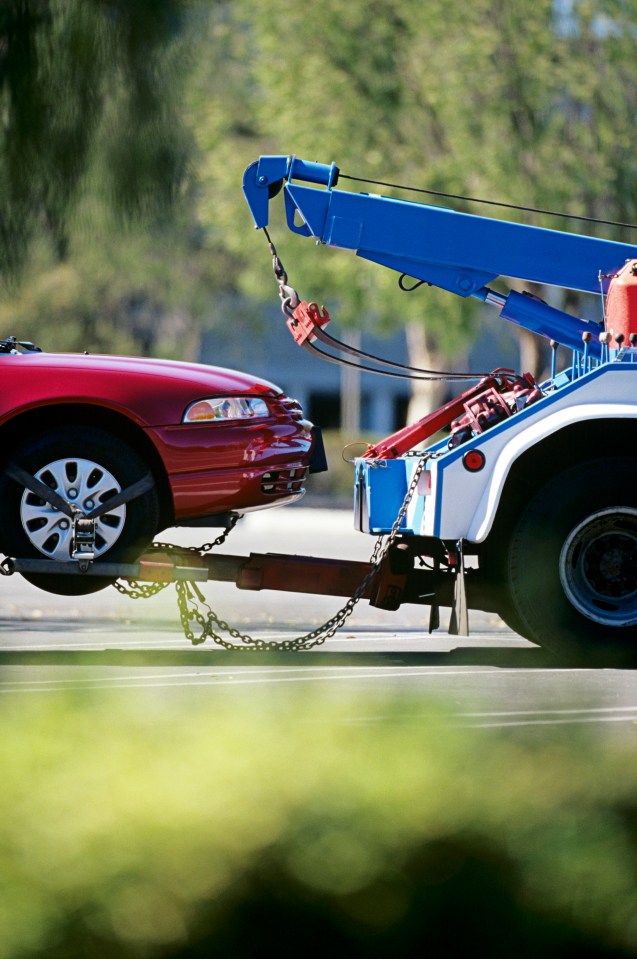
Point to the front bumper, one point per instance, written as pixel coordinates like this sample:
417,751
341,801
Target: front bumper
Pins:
220,468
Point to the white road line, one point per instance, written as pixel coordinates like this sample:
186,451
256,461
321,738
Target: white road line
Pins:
182,643
118,679
92,647
213,681
348,672
270,676
572,720
552,712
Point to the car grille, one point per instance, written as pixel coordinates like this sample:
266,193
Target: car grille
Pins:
277,482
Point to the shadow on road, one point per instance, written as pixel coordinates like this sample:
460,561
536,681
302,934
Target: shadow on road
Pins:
527,658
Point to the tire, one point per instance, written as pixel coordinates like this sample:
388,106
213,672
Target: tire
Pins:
494,558
572,563
86,465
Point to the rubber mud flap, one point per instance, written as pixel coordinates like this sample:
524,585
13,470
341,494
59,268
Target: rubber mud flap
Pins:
318,462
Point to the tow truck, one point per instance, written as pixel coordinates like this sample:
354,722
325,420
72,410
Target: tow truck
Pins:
516,497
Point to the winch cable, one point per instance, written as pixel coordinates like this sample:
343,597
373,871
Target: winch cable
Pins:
428,376
498,203
411,372
290,301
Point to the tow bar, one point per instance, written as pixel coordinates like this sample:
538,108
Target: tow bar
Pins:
386,584
389,579
154,566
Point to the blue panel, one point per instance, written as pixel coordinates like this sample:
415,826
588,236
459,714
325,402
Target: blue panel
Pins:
385,488
345,234
313,209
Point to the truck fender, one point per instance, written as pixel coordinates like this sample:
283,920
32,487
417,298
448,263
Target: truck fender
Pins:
488,504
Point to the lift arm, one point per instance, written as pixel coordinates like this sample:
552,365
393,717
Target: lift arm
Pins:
458,252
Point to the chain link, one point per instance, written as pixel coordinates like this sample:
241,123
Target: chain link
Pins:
205,547
190,600
135,590
193,607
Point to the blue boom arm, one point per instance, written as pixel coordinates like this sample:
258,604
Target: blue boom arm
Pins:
458,252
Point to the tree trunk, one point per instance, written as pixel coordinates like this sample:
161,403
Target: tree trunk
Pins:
531,353
427,395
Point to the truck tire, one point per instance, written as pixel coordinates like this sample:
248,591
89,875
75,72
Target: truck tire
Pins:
88,465
572,563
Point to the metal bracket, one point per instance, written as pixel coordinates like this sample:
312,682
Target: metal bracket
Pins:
154,567
459,622
83,541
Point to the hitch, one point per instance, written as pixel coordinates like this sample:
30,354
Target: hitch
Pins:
306,319
386,583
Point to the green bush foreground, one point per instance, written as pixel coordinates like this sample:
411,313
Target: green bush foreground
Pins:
140,828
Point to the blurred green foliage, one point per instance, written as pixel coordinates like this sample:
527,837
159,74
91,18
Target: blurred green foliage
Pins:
93,165
126,128
130,827
336,484
499,100
80,81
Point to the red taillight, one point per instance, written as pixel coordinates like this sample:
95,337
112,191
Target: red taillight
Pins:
473,460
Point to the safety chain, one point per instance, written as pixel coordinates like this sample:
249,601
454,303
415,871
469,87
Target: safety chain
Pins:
190,599
136,590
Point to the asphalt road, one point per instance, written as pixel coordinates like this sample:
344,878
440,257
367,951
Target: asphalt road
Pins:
493,678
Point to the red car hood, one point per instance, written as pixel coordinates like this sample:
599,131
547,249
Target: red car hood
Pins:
218,378
153,392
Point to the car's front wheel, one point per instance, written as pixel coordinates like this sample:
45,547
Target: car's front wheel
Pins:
86,466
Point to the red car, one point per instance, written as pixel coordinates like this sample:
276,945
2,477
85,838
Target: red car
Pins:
134,446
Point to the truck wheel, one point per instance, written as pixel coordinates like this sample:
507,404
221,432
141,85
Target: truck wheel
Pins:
572,563
86,466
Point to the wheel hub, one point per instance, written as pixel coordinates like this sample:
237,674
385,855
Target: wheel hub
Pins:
84,483
598,567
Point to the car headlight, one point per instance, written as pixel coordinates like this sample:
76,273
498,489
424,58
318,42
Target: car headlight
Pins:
223,408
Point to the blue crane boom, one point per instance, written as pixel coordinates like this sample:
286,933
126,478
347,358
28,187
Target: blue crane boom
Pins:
458,252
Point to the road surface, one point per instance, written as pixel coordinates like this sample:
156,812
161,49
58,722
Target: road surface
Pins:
108,641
